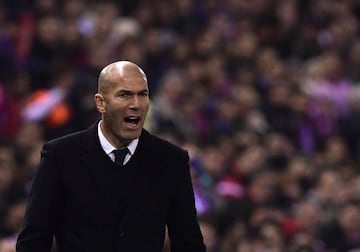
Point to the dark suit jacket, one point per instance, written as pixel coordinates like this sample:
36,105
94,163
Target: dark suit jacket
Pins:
69,200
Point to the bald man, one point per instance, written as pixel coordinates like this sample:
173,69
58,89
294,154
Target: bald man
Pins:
113,187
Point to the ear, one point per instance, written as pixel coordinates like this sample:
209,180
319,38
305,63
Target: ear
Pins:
100,102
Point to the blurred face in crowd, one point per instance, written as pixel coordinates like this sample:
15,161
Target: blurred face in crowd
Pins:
349,218
307,216
123,101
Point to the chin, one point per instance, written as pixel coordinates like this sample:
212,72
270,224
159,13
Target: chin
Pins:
131,135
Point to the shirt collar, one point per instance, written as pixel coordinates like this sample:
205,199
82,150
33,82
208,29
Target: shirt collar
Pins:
108,147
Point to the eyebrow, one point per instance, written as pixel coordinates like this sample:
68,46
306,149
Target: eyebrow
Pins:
132,91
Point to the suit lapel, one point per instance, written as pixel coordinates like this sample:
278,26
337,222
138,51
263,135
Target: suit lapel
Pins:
92,160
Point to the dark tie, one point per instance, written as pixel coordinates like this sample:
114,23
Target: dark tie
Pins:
120,156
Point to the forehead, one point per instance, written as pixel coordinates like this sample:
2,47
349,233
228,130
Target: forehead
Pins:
127,77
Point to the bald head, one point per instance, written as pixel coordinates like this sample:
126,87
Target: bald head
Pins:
117,71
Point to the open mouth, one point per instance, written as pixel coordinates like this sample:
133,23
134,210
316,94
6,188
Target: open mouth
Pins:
132,121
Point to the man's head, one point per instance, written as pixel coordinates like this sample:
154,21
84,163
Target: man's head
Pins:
123,101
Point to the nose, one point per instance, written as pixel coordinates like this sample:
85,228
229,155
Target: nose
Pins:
135,103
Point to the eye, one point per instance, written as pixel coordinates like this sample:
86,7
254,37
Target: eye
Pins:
124,94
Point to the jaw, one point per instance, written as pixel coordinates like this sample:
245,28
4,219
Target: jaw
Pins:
121,134
129,135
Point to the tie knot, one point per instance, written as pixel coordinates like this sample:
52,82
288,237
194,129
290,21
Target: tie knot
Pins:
120,156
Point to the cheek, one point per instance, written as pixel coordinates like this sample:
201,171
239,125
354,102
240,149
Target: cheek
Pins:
113,118
116,117
146,105
115,109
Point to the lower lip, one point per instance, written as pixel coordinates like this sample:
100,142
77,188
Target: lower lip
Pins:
132,125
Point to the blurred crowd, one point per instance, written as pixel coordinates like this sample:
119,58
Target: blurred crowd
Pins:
264,94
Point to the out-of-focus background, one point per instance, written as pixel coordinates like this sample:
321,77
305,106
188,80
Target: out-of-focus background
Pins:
264,95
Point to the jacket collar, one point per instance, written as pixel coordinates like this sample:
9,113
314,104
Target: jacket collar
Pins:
91,138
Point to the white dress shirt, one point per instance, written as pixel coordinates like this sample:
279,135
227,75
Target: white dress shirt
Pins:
108,148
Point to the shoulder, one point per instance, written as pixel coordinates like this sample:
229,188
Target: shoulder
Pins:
67,139
77,140
162,146
164,157
67,142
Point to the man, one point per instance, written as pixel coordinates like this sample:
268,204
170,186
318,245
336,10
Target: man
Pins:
91,199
